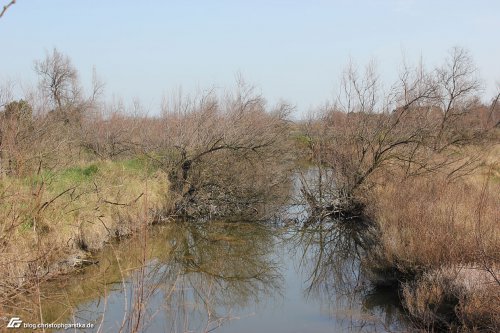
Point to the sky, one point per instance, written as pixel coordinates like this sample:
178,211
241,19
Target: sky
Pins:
290,50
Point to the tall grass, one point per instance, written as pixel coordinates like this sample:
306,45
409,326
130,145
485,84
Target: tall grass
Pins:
46,218
442,238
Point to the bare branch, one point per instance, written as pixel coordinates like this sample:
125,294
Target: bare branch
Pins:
6,7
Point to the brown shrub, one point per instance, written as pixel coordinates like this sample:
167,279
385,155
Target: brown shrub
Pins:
226,156
426,222
443,237
462,299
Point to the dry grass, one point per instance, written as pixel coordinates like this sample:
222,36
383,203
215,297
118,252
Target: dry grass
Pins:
444,235
426,222
45,219
464,299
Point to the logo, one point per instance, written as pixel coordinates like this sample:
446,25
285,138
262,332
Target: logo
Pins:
14,322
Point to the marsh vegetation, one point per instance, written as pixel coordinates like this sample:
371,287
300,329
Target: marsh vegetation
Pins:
187,212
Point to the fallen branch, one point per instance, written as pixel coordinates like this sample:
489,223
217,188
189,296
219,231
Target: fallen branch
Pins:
47,203
123,204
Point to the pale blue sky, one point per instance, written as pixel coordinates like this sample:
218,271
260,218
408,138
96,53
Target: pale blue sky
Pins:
294,50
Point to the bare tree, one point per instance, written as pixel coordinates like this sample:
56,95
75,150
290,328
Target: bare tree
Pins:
223,154
58,79
458,85
417,126
494,111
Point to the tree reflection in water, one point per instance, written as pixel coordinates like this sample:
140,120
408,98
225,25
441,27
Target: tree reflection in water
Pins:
181,277
189,277
332,252
214,269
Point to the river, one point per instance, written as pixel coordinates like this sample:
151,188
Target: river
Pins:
225,277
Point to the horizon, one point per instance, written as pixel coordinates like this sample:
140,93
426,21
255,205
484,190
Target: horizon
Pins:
289,50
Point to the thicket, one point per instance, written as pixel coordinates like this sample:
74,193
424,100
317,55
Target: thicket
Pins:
76,172
420,160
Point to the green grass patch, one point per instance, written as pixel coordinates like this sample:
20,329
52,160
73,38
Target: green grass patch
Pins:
84,174
79,174
138,164
303,139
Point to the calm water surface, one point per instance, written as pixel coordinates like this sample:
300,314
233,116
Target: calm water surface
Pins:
226,277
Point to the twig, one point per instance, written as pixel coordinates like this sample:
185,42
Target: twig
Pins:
115,203
7,7
46,204
123,204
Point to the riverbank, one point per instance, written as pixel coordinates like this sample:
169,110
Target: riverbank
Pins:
431,241
438,241
51,223
232,276
77,176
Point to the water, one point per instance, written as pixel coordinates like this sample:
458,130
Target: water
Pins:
226,277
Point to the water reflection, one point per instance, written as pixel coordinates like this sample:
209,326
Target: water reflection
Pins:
216,270
197,276
332,253
228,277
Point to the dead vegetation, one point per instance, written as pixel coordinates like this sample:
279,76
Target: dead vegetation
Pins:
419,160
76,172
425,123
442,238
226,156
